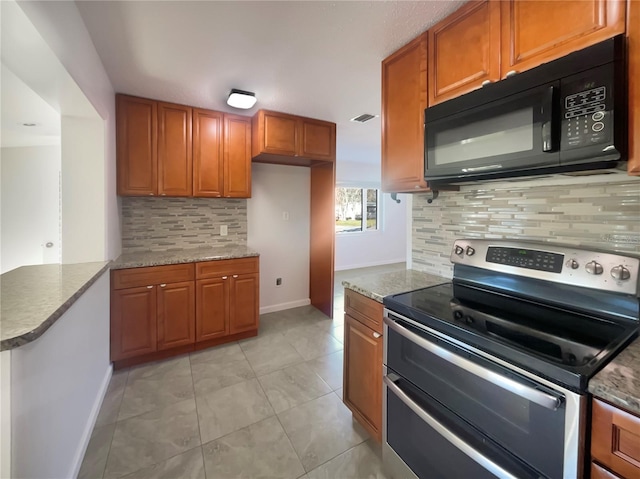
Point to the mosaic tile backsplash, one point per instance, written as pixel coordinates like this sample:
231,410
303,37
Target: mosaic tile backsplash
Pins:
165,224
604,215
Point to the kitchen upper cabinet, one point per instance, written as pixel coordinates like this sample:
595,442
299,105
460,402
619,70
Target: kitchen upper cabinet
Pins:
133,322
136,132
221,155
175,167
633,52
538,32
237,156
362,378
464,51
615,442
176,314
286,139
404,98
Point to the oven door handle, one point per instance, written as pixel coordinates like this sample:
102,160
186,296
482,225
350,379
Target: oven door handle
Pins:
527,392
456,441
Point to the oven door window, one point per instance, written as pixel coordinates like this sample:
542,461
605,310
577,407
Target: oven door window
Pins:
534,431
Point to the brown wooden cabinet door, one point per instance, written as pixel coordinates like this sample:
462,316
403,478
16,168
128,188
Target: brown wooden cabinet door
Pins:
464,51
133,322
136,131
237,156
538,32
633,52
176,314
598,472
363,374
404,98
244,300
175,168
208,171
317,140
212,308
279,135
615,439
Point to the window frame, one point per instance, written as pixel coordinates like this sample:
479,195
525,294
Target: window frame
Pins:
363,211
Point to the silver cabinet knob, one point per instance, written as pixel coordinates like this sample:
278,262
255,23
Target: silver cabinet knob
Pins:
511,73
163,285
486,82
224,277
620,272
376,335
149,287
593,267
235,275
573,264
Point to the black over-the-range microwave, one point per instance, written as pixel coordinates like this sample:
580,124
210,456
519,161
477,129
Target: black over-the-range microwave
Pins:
565,115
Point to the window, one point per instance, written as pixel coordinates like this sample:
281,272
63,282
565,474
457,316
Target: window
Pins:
354,214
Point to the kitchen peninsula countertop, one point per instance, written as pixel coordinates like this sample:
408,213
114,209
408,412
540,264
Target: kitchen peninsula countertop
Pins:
195,255
34,297
378,285
619,382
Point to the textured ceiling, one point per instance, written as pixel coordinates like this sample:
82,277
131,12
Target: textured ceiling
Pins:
317,59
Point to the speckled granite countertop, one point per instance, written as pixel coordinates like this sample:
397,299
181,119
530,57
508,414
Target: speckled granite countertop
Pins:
160,258
34,297
378,285
619,381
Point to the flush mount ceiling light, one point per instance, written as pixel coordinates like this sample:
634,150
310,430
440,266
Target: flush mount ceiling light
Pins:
241,99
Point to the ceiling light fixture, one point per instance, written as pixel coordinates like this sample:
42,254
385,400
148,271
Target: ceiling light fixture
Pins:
241,99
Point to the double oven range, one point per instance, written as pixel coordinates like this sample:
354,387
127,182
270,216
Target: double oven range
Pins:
487,376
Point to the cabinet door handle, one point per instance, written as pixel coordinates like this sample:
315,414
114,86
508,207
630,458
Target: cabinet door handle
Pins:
235,275
149,287
486,82
511,73
163,285
224,277
376,335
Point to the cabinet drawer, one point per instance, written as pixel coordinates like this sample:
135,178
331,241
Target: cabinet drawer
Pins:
366,310
213,269
615,439
599,472
134,277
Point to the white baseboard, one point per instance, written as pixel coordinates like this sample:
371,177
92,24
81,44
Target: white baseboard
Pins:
91,421
368,265
282,306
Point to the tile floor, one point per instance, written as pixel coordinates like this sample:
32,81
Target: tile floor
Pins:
265,407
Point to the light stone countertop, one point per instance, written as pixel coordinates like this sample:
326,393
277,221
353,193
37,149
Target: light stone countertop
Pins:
619,381
160,258
34,297
378,285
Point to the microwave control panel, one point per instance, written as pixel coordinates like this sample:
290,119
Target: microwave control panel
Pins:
586,111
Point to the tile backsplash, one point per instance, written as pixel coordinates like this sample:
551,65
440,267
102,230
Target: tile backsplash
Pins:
602,213
164,224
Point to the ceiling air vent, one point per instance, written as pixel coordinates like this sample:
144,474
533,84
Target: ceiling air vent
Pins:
365,117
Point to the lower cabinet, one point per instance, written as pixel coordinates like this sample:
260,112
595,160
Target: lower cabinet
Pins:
362,379
164,310
615,442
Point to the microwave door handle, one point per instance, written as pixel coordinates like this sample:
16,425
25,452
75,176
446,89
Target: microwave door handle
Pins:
455,441
524,391
547,122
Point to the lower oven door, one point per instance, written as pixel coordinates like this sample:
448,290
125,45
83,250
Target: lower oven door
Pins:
539,423
425,440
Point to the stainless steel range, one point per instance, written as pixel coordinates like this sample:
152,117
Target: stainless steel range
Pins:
486,376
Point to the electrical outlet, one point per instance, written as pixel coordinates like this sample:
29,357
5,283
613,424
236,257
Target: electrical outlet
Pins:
223,230
278,281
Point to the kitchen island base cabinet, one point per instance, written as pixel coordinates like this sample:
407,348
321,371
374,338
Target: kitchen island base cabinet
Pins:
362,388
163,311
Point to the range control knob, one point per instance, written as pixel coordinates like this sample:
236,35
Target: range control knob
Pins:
470,251
593,267
620,272
573,264
459,250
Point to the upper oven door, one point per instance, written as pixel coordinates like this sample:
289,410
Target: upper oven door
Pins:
528,418
518,132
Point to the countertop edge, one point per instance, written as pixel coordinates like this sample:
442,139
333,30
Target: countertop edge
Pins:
629,403
30,336
164,262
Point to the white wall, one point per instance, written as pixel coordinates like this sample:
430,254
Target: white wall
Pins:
62,28
57,386
83,191
30,206
384,246
283,244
